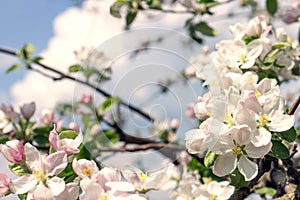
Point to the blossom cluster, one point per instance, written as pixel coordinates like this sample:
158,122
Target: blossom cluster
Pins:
244,110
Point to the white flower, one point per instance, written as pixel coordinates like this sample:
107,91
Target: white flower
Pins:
234,149
145,181
236,54
43,170
216,190
85,168
266,117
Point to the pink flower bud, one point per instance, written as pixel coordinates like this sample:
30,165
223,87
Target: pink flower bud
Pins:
59,124
9,112
13,151
74,126
174,124
4,184
27,110
190,110
86,99
47,117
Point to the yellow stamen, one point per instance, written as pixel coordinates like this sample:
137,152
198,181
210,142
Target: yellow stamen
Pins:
143,177
87,172
103,197
206,180
39,175
257,93
243,58
250,79
229,119
263,120
237,150
213,197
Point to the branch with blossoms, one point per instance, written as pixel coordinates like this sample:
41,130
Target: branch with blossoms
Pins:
244,146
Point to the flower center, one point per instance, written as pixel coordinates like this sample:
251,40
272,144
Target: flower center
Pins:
257,94
103,197
237,150
143,177
39,175
263,120
243,58
213,197
87,172
229,119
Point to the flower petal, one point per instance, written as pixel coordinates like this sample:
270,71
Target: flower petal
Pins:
258,152
56,185
32,156
261,137
247,168
23,184
42,193
282,123
56,163
225,164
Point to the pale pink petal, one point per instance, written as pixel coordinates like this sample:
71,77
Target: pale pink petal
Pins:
282,123
225,164
56,185
261,137
56,163
32,156
85,168
4,184
23,184
54,140
121,186
105,175
42,193
258,152
91,190
247,168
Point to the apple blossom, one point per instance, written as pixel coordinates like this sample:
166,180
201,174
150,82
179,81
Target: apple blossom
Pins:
85,168
86,99
47,117
146,181
73,126
216,190
234,150
13,151
70,146
27,110
4,184
43,170
266,117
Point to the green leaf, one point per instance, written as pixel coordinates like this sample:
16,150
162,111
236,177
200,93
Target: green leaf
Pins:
43,130
272,6
68,171
115,9
205,29
266,190
14,67
279,150
108,137
41,140
131,15
26,52
108,104
37,59
84,153
195,165
67,134
17,169
4,139
156,4
75,68
247,39
289,135
22,196
209,159
237,179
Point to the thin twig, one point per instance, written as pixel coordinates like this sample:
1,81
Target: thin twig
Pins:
142,147
294,107
62,75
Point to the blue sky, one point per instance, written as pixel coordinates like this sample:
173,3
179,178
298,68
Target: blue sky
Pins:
22,22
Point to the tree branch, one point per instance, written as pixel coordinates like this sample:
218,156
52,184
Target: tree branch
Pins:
62,75
294,107
142,147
